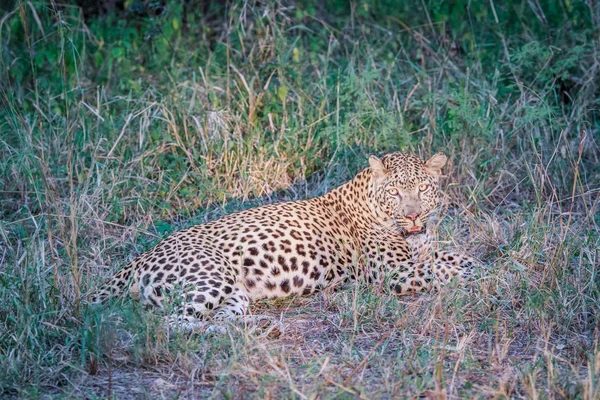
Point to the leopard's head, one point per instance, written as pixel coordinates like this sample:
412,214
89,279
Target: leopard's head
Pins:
404,190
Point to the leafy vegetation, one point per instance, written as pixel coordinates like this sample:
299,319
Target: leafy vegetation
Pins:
119,126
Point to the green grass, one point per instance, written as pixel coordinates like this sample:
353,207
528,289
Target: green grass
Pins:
119,128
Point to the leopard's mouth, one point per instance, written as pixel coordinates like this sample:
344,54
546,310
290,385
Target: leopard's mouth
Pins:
414,230
420,230
411,227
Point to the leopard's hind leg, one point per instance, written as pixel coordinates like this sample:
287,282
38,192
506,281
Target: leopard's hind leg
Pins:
234,307
208,306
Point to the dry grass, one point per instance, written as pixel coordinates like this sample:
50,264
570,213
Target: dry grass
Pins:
100,159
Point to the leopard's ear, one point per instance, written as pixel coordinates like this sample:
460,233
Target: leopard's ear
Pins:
435,164
377,168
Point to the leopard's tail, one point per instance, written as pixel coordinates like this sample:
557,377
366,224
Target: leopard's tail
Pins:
116,286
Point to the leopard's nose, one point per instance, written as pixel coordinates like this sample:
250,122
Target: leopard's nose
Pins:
413,217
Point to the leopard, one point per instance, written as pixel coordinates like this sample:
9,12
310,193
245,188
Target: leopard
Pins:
378,227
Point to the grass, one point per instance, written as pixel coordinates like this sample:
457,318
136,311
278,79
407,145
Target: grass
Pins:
118,128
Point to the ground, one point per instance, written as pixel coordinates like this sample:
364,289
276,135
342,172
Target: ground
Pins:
122,124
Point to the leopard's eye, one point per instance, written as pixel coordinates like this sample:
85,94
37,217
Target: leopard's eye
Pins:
423,187
393,192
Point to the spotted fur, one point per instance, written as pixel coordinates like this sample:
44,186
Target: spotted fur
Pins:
373,227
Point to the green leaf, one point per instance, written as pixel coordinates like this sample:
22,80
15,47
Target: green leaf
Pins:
282,92
162,227
118,52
